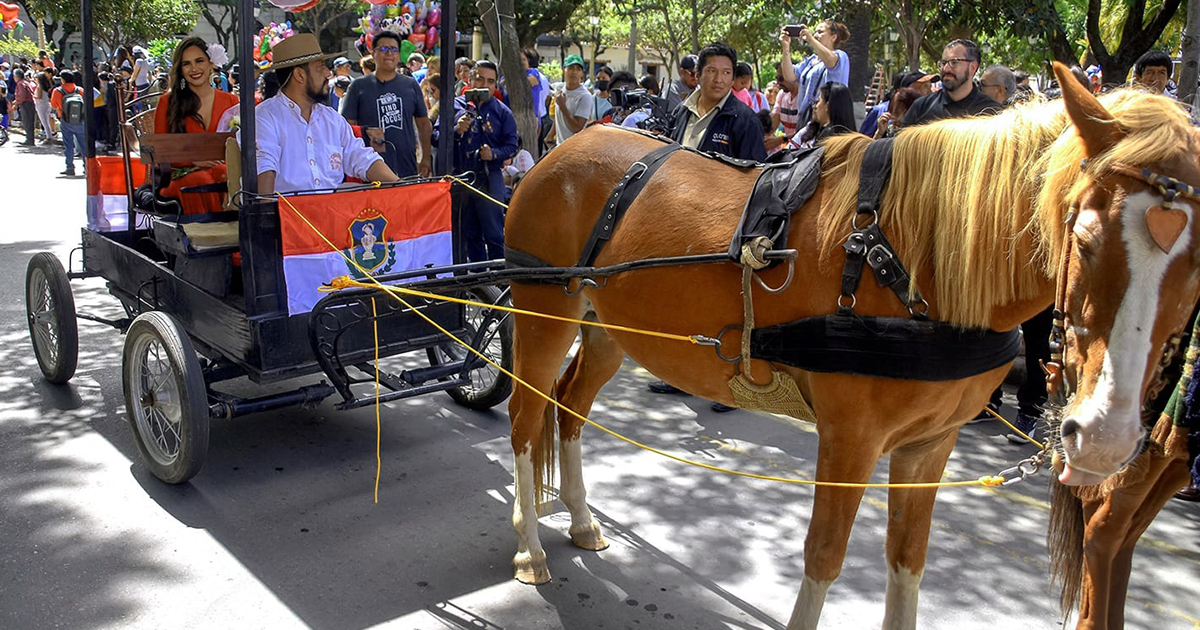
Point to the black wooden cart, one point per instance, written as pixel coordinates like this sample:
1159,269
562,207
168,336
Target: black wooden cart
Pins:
183,335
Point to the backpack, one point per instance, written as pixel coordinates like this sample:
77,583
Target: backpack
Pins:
72,107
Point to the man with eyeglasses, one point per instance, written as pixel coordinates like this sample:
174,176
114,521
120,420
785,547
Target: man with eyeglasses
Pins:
958,96
681,88
389,106
999,83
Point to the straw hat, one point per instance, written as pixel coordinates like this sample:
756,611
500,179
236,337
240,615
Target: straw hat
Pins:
298,49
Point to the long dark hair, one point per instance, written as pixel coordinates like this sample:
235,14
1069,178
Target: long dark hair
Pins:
841,106
183,103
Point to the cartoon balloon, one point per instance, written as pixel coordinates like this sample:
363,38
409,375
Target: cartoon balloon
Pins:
392,11
8,14
435,17
431,39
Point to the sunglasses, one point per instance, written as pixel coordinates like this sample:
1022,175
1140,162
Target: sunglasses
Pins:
387,49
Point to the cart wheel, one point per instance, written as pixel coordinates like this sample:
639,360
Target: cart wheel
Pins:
50,308
165,397
489,387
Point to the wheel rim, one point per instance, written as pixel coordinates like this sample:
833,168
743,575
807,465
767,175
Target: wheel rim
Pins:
484,376
156,400
43,320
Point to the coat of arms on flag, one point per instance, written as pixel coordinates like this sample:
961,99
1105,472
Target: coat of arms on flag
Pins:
369,246
382,231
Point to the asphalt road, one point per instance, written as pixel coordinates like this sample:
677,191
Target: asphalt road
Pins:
279,529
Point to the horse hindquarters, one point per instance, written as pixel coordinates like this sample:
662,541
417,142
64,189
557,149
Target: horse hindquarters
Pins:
598,359
539,346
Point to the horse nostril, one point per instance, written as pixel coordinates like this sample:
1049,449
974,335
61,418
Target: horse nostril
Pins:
1069,428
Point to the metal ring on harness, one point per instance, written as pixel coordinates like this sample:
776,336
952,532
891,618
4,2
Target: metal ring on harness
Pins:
585,283
717,348
786,282
853,301
923,312
854,219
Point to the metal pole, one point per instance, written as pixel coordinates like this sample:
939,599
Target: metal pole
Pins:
89,83
246,79
445,148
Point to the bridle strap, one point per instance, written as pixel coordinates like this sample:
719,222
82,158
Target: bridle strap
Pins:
1056,381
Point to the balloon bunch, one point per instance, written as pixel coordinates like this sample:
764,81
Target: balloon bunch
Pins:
267,38
416,22
294,6
8,17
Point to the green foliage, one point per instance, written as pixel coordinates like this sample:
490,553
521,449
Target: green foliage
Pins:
124,22
533,17
161,50
552,68
18,47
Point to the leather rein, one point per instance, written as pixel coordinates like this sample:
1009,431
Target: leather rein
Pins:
1057,386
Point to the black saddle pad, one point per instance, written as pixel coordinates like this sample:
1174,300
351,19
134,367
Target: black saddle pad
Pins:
781,189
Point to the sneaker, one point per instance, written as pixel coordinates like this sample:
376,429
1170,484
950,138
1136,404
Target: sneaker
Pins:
663,387
1026,424
984,416
69,172
719,408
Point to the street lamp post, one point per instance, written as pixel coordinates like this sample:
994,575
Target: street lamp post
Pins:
888,45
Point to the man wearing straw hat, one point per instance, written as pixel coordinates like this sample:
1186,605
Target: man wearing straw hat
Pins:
303,144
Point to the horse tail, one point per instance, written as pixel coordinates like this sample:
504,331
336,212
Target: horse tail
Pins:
1065,544
544,456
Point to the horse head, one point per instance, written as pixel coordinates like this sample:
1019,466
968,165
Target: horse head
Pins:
1129,273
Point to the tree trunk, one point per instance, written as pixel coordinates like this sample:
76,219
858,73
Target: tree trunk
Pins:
858,19
1190,54
520,95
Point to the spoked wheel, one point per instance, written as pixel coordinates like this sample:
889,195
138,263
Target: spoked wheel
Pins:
165,397
50,309
491,331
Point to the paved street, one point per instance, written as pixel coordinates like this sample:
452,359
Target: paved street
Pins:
279,529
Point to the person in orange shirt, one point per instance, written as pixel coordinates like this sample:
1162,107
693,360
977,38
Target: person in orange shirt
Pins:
193,105
67,101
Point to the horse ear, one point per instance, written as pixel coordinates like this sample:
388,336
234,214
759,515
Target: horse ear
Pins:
1096,126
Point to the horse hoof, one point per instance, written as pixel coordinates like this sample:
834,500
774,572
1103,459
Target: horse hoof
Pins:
589,537
531,569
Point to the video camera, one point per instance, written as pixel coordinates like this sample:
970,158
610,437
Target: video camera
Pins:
630,100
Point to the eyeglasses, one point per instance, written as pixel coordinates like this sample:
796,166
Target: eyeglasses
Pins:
946,63
387,49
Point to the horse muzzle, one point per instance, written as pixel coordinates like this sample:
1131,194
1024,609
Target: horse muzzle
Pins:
1094,445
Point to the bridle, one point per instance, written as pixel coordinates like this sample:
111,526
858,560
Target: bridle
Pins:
1057,387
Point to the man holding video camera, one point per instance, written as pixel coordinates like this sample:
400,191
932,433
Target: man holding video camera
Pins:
485,135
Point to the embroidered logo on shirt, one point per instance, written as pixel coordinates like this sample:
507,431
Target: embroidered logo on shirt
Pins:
335,161
720,138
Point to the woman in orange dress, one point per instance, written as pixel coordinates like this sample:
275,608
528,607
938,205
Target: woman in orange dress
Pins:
193,105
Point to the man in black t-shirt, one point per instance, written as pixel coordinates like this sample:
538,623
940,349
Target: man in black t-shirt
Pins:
391,109
958,96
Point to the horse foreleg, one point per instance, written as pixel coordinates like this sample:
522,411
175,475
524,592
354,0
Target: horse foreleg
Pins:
538,350
849,458
910,512
597,360
1104,530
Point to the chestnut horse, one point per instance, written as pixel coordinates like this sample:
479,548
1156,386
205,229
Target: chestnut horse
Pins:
975,209
1094,529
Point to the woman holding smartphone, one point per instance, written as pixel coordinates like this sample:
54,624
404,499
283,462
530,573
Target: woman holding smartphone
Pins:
827,63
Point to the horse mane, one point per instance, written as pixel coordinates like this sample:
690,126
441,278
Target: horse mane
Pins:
980,202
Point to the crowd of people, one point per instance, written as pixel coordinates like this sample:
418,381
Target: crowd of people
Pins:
318,123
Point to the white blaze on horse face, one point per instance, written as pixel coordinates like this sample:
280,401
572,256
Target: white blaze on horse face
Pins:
1109,420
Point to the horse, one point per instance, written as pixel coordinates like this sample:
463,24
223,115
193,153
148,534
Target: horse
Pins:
1094,529
977,210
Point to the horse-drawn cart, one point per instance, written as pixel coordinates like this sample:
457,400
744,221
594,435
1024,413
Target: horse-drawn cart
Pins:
209,298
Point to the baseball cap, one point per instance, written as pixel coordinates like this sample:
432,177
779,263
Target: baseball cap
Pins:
341,61
689,62
573,60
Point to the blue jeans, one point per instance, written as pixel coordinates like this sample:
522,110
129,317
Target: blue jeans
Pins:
483,221
72,136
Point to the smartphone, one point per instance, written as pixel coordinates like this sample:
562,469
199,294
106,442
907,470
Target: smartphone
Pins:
793,30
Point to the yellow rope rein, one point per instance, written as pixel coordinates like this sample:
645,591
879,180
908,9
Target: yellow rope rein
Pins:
395,292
